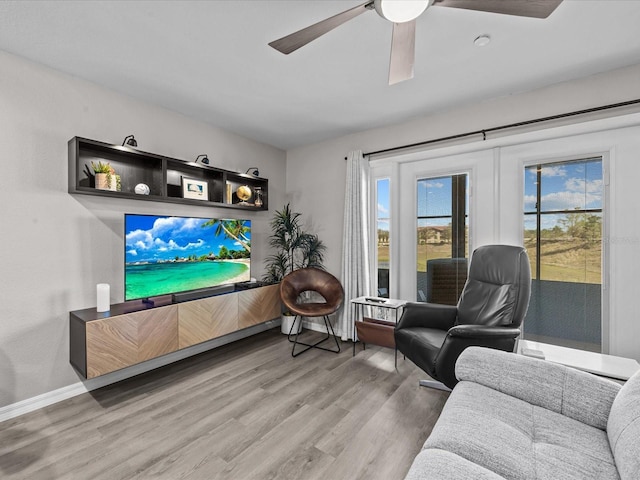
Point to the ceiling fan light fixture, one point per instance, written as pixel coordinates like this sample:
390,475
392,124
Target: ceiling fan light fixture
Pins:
401,11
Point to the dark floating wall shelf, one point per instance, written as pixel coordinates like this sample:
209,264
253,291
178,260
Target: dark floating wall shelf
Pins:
163,175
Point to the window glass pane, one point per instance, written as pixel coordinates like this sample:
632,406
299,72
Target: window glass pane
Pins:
434,240
434,197
571,186
441,238
593,184
382,224
530,189
563,237
531,241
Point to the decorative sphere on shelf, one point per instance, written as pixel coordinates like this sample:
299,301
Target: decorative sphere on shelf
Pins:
244,193
142,189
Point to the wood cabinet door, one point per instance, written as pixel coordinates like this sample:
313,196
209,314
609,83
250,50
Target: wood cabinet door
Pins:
202,320
258,305
124,340
157,332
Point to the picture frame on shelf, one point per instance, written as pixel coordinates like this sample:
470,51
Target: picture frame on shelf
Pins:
195,189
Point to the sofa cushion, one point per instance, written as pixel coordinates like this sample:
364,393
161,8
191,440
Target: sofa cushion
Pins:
623,429
518,440
437,464
568,449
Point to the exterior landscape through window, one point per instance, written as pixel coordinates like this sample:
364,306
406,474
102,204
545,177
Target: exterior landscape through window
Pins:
563,237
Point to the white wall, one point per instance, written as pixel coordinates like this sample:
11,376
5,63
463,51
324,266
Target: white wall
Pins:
316,173
55,247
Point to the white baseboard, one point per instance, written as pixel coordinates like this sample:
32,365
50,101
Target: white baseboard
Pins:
40,401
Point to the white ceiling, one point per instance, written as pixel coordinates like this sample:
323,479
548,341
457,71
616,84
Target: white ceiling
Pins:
210,60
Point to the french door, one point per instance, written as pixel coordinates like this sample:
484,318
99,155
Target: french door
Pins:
563,220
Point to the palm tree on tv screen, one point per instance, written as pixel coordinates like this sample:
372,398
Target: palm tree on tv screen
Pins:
235,229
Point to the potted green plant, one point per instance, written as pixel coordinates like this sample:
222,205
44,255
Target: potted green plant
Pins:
293,249
106,178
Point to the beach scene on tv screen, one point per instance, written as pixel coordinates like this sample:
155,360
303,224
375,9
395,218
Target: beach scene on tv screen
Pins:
174,254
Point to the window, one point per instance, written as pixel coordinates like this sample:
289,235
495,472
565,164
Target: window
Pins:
563,236
383,217
442,238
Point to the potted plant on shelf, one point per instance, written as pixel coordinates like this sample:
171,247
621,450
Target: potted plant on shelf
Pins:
106,178
293,249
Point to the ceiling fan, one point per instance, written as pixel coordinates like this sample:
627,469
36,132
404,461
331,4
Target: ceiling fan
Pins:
403,14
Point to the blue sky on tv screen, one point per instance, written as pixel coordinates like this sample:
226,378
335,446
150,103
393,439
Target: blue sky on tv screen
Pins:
150,238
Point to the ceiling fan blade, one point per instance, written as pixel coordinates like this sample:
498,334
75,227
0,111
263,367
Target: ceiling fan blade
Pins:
522,8
294,41
403,52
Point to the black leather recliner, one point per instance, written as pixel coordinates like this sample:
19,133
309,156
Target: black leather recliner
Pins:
491,308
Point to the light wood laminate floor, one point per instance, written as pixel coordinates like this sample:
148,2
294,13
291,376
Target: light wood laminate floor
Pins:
247,410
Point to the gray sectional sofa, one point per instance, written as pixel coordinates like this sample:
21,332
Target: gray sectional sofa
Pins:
514,417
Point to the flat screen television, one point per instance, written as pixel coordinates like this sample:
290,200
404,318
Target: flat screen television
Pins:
168,254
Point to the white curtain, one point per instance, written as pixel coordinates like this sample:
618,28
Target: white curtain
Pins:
355,245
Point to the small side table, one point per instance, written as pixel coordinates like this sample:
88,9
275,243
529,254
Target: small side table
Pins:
374,330
610,366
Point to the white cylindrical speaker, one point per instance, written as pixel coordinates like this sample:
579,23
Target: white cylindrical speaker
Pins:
103,301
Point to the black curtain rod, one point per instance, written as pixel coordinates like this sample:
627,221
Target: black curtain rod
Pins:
484,132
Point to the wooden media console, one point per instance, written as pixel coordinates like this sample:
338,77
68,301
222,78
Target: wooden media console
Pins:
133,332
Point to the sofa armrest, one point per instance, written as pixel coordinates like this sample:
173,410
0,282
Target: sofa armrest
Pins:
428,315
575,394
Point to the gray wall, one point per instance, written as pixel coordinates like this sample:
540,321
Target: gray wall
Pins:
55,246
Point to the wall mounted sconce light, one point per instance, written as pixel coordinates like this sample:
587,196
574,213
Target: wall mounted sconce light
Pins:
203,159
256,173
130,140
